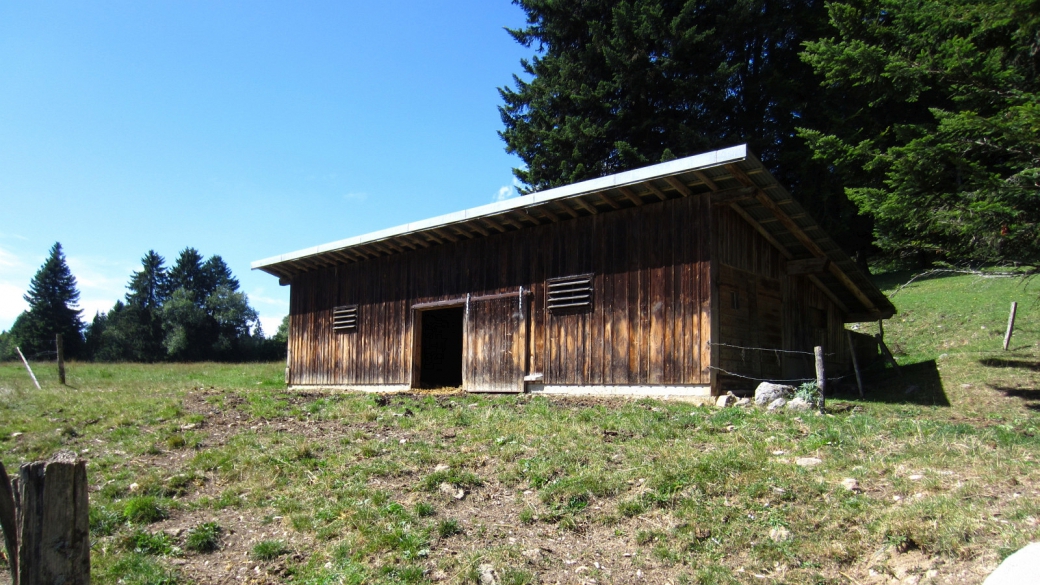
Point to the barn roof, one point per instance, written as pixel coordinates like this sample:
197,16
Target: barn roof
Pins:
733,177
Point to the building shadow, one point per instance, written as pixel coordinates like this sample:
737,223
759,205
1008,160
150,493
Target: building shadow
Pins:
918,383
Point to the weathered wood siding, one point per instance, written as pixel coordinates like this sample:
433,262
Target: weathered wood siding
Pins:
649,323
761,307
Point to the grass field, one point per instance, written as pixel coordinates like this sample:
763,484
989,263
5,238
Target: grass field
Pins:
212,472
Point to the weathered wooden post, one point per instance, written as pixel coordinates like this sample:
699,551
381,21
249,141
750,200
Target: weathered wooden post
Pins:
60,342
49,541
855,362
821,377
26,362
1011,324
9,523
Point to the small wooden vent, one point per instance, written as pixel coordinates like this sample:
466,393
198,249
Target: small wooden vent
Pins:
344,318
570,293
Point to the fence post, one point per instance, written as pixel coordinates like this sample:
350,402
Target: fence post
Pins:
60,342
9,523
53,522
26,362
1011,324
821,377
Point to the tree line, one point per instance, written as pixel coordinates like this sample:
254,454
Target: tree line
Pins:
908,129
191,311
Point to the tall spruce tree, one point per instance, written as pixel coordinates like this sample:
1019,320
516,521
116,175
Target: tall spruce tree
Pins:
938,131
618,84
52,298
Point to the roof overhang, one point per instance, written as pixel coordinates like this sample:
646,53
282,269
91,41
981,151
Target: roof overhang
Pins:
731,176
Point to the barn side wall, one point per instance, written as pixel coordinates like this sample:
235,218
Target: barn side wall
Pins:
649,324
761,307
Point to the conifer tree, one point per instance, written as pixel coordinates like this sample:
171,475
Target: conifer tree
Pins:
52,298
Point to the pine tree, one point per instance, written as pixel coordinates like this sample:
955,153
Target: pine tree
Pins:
937,136
619,84
52,298
187,273
149,287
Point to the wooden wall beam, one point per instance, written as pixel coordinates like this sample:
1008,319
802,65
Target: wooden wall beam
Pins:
808,266
603,197
657,192
477,228
706,180
581,203
548,213
630,195
679,186
527,216
834,298
568,210
807,241
493,224
761,230
728,196
445,235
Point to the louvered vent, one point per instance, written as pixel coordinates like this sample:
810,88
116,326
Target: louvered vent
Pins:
344,318
570,293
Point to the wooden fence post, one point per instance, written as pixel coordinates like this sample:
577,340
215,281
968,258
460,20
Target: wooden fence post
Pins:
53,524
821,377
26,362
1011,324
9,523
855,362
61,358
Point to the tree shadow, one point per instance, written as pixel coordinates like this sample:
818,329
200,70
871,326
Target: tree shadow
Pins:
918,383
1029,396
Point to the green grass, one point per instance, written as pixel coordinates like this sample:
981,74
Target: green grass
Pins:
946,456
204,538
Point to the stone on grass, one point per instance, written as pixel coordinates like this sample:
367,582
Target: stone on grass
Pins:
808,461
449,489
533,555
798,404
851,484
725,400
487,574
743,402
441,467
1021,567
779,534
777,404
767,392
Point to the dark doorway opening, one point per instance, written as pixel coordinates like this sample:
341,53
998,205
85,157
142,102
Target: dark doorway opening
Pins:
440,362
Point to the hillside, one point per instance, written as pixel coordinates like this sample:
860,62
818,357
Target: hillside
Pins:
308,488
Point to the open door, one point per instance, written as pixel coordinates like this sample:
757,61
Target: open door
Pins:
496,343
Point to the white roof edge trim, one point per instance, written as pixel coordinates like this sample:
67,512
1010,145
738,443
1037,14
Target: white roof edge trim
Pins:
640,175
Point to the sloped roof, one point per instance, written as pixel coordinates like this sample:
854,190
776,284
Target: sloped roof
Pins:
733,176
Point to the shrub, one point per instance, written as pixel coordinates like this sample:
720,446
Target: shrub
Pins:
204,538
144,510
268,550
447,528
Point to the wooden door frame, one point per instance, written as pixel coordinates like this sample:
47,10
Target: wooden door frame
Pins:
417,310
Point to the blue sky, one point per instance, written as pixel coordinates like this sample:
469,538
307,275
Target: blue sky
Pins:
245,129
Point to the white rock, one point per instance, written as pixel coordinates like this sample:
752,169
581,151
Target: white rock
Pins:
916,477
134,487
808,461
487,574
533,555
767,392
798,404
777,404
743,402
1021,567
441,467
851,484
724,401
779,534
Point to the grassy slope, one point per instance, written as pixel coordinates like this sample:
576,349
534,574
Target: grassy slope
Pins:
690,494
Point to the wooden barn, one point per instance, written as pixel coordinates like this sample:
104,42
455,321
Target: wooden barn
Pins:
686,278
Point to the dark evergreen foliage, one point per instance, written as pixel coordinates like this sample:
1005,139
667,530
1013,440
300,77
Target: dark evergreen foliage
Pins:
619,84
936,129
52,299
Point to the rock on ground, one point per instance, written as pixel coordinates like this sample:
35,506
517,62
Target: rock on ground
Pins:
487,575
767,392
808,461
725,400
1018,569
777,404
798,404
851,484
